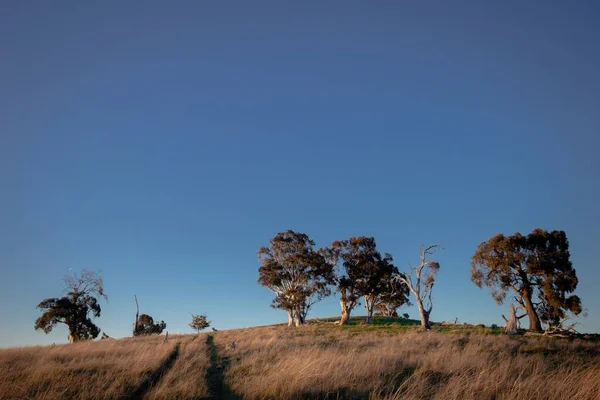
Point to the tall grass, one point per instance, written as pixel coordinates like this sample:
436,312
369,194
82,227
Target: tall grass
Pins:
187,378
106,369
318,362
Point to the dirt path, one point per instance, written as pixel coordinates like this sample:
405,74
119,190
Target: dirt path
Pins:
151,381
215,375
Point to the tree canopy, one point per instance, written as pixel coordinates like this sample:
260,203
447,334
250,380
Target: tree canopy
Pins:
536,268
394,295
199,322
76,309
146,326
361,271
297,274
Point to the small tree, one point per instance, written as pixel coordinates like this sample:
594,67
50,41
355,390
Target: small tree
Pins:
298,275
76,308
199,322
146,326
420,280
536,268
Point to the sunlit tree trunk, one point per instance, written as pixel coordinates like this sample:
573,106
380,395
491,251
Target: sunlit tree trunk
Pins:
424,315
511,322
298,318
346,310
534,321
369,303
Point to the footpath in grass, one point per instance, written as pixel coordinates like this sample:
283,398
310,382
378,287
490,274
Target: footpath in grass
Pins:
215,376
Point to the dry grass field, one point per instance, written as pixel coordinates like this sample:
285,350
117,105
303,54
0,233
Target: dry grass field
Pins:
85,370
321,360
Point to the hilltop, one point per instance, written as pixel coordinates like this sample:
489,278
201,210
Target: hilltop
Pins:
389,359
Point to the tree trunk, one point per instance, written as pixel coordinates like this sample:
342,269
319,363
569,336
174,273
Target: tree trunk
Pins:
290,318
511,322
534,321
299,318
137,316
424,315
369,307
346,310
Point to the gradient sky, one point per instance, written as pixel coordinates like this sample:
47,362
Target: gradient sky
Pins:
163,144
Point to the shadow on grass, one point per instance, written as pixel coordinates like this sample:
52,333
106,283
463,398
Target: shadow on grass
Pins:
152,379
215,375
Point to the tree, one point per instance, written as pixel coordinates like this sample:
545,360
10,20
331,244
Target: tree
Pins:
297,274
395,295
146,326
76,308
344,278
376,287
420,280
361,271
199,322
536,268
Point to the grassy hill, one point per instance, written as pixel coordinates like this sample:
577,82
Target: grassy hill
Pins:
387,360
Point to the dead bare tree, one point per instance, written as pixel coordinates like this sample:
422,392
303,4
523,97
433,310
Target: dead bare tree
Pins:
420,280
137,317
512,321
560,329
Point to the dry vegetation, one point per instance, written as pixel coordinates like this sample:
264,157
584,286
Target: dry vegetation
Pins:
315,361
187,377
321,361
86,370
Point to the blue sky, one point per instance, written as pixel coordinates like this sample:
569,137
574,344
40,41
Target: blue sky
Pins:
164,144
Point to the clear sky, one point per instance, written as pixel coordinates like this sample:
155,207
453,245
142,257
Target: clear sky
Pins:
165,143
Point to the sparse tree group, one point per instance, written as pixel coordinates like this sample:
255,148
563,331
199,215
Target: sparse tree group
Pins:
535,268
300,275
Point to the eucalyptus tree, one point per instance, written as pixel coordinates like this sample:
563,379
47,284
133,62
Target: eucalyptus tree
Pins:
536,268
295,272
394,295
420,279
361,272
76,308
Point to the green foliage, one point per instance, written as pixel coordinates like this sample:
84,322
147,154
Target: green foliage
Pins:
146,326
76,309
199,322
536,266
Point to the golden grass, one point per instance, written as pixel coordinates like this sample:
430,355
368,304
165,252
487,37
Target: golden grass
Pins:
315,361
105,369
326,361
187,377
